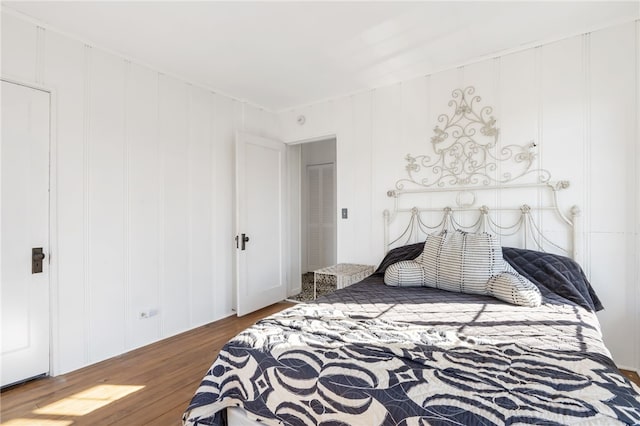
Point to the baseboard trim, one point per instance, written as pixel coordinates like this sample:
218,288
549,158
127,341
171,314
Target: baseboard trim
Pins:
295,291
626,367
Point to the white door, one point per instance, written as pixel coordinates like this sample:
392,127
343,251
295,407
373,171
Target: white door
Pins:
321,216
260,242
24,218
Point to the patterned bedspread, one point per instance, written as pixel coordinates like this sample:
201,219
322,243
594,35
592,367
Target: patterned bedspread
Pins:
375,355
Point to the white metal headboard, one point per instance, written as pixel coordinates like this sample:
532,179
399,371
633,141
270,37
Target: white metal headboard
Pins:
468,158
417,228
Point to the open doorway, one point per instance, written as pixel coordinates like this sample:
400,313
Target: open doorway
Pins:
318,213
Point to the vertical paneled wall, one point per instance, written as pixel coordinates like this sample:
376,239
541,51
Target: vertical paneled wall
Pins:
143,194
577,98
143,179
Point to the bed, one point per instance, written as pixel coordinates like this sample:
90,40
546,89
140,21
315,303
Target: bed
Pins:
376,354
370,354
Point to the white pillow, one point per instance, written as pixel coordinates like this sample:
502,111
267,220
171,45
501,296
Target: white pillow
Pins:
460,261
407,273
511,287
465,263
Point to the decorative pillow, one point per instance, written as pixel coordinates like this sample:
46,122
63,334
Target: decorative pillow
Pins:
465,263
407,273
511,287
460,261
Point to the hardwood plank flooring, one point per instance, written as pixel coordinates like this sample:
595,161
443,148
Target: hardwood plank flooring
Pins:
632,375
169,370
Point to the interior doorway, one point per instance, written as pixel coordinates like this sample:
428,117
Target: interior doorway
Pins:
318,237
318,211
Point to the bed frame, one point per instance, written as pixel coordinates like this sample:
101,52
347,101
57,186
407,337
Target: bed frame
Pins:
468,162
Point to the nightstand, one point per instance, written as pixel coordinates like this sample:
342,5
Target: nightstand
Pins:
345,274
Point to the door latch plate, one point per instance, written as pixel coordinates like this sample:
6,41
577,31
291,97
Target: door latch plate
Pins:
37,256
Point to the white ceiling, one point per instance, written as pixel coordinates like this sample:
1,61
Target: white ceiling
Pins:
284,54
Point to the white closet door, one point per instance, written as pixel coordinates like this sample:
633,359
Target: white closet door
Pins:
321,219
25,225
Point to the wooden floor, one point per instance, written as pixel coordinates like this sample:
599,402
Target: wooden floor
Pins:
169,372
632,375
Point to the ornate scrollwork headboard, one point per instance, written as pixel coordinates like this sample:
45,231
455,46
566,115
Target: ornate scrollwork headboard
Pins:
468,159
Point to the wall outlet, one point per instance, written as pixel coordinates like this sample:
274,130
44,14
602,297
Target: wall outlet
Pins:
147,313
345,214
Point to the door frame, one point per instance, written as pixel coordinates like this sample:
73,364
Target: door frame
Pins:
294,208
52,216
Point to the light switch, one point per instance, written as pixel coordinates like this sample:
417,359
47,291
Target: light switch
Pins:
344,213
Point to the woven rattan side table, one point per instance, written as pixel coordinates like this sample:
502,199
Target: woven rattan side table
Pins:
345,274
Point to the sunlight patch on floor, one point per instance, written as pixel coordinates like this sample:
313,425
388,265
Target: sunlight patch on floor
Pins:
88,400
37,422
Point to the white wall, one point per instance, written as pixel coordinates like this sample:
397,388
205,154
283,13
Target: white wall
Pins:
578,98
142,194
143,175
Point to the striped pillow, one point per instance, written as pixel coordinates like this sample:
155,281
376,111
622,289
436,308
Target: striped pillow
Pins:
460,261
407,273
465,263
511,287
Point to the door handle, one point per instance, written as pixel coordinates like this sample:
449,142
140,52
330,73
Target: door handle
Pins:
245,239
37,256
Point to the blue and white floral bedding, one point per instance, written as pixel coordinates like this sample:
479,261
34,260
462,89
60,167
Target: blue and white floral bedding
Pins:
374,355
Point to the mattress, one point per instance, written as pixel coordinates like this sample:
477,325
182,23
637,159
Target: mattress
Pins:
376,355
